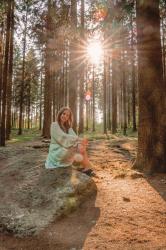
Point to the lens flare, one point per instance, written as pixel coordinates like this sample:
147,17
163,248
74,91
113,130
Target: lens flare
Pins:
100,13
95,51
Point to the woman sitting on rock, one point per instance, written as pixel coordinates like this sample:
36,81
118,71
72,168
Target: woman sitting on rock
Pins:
65,146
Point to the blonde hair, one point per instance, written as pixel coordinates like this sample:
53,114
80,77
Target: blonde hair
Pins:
67,124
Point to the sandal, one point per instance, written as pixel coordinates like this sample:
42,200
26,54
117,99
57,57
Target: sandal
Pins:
89,172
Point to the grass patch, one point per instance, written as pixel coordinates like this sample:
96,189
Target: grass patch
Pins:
129,133
27,135
95,135
31,134
98,134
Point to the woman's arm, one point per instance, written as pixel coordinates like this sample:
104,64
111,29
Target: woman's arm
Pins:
60,137
82,141
71,132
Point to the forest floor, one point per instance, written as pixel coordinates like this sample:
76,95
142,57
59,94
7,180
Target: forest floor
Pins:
128,212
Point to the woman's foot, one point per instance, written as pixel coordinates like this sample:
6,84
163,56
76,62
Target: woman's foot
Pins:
88,171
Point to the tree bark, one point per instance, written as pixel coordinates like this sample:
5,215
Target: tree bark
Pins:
93,98
47,85
105,96
1,62
133,85
82,71
9,87
23,76
124,90
163,48
41,95
151,155
109,95
5,78
114,97
72,65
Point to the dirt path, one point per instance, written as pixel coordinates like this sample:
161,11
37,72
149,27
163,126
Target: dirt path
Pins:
129,211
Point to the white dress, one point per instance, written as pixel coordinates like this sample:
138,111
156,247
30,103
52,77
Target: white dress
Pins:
62,147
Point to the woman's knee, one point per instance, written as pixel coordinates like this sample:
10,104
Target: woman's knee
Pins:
81,149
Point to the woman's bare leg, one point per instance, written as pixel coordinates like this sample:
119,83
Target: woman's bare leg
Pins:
85,162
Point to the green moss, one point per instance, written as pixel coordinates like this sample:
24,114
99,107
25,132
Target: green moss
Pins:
71,204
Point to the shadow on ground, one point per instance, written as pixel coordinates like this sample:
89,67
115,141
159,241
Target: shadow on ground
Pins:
158,182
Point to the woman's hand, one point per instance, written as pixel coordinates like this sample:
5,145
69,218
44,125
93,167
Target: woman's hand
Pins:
83,141
82,144
81,148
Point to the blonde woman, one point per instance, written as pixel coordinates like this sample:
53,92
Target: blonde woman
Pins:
65,144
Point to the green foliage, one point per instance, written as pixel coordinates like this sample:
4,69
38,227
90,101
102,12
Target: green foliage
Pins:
31,77
30,81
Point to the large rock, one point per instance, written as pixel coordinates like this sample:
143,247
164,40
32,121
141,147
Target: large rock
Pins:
32,197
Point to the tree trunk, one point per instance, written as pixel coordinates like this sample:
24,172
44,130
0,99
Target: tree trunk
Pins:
93,98
9,87
29,106
47,85
87,102
66,75
54,96
114,97
41,95
1,63
163,49
72,65
124,92
5,78
133,85
151,155
23,76
82,71
105,97
109,96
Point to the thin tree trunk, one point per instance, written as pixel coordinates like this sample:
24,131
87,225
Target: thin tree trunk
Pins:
23,76
93,99
114,97
66,75
87,102
109,95
133,84
82,72
72,65
41,97
124,92
9,88
48,85
105,97
128,96
29,106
